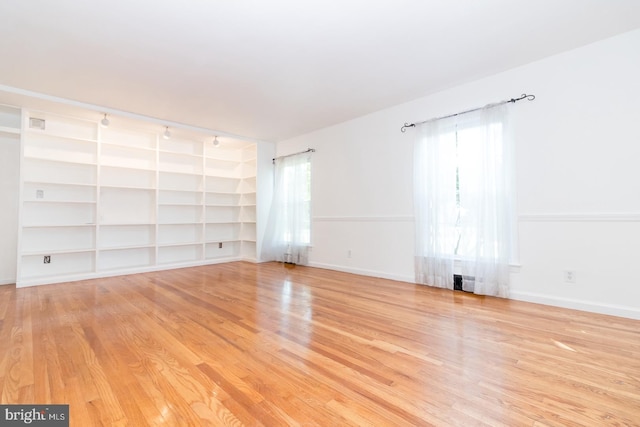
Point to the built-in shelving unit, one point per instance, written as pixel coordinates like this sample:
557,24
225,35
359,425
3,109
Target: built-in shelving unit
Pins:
102,201
59,205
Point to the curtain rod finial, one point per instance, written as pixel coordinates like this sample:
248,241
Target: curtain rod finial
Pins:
407,125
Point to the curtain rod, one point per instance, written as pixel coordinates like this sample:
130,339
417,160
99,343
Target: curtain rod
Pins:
308,150
514,100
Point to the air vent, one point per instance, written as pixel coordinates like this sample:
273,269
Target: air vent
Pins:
35,123
457,282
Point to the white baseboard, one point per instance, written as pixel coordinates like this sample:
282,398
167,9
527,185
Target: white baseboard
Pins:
612,310
580,217
364,272
124,272
7,282
609,309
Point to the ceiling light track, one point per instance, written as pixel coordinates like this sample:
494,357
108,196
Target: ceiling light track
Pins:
30,95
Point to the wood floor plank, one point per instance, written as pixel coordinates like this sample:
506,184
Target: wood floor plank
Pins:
272,345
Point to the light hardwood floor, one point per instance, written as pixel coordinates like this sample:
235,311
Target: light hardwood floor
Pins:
245,344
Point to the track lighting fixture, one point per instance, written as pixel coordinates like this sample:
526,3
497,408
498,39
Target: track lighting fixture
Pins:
104,122
166,134
216,143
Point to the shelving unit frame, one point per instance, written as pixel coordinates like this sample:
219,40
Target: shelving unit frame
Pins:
98,202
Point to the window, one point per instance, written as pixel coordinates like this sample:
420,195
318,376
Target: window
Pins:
288,234
467,153
463,198
297,208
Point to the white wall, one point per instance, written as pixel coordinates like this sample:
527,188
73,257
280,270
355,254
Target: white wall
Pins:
578,147
264,189
9,183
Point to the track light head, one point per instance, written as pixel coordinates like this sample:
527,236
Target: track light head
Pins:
216,142
166,134
104,122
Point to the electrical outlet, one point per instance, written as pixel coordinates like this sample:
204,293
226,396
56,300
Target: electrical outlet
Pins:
47,259
570,276
39,194
348,253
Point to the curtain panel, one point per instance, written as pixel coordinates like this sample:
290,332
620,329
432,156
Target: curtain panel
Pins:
464,201
288,233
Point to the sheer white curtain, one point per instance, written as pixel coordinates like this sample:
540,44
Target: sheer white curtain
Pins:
464,198
435,202
288,233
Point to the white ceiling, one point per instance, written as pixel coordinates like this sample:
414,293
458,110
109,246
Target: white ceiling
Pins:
279,68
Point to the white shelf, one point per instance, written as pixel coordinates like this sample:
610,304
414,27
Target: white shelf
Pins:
119,177
222,231
198,205
222,185
222,199
218,241
125,258
58,214
56,172
174,197
127,205
57,251
53,160
180,163
228,249
224,168
127,157
179,254
127,224
58,239
195,158
235,193
52,192
221,153
62,264
176,181
129,138
117,236
179,214
125,146
179,234
178,244
86,224
9,130
57,183
119,248
181,146
222,214
126,187
65,202
36,134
